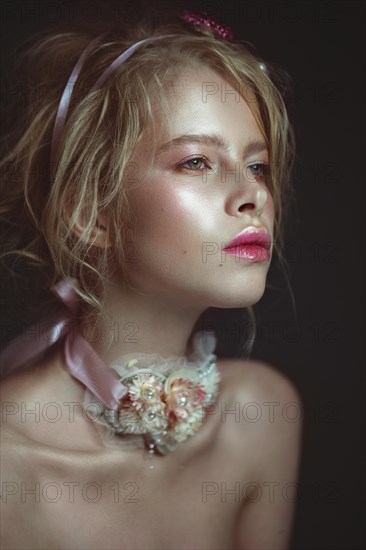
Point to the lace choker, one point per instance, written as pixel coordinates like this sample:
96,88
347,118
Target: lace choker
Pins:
167,398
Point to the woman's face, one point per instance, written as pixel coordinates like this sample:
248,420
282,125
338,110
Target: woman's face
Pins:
186,211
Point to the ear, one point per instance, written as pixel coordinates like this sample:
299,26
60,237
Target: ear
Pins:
99,235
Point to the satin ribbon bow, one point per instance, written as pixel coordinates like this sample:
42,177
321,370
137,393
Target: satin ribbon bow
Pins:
80,359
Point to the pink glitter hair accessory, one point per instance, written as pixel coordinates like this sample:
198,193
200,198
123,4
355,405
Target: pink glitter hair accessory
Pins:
221,31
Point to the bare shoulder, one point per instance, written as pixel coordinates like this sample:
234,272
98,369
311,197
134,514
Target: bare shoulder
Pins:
256,379
262,417
261,414
261,410
14,443
19,472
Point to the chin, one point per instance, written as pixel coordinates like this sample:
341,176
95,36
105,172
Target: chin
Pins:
238,296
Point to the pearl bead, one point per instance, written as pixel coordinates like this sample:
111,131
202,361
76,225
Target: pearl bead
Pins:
147,394
182,399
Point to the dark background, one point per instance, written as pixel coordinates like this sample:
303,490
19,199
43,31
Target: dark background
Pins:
317,339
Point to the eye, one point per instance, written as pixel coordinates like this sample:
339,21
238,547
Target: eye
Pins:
260,170
194,162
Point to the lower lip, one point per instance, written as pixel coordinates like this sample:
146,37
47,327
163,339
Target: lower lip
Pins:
249,252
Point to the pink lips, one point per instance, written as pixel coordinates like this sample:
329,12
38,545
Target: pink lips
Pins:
252,245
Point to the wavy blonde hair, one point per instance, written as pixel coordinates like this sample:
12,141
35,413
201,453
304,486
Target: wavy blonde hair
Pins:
100,135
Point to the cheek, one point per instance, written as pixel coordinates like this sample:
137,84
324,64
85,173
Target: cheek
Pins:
169,228
270,208
173,218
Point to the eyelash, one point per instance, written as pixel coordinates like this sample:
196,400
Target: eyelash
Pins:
181,166
265,167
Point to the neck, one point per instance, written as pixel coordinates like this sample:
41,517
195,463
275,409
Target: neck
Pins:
143,322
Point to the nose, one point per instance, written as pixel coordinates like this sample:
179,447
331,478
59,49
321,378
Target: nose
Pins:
248,195
256,202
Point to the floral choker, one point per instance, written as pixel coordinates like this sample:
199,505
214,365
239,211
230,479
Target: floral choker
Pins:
167,398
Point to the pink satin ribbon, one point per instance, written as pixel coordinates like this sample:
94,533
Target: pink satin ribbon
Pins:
65,101
80,359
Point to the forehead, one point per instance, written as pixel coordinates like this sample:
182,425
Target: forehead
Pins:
202,100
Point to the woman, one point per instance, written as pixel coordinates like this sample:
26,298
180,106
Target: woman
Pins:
152,191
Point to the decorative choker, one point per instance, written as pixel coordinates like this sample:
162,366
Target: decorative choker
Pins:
167,398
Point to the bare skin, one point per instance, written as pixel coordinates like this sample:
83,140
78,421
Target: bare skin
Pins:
193,194
202,496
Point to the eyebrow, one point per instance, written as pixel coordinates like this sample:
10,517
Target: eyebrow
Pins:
253,146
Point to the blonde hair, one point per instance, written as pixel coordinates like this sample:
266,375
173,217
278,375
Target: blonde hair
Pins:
101,132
